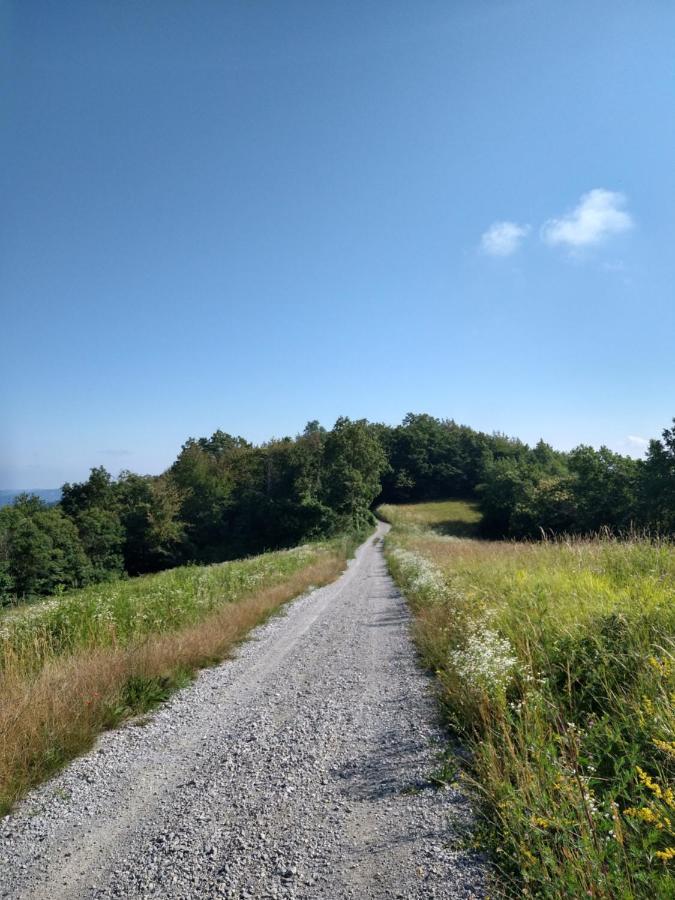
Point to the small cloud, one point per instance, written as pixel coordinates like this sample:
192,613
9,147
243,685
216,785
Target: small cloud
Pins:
503,238
616,265
634,445
598,215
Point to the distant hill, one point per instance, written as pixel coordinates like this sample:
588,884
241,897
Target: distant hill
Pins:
49,495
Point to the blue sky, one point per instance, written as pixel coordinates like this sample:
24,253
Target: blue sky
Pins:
250,214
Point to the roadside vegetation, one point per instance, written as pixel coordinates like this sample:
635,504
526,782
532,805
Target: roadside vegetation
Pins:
105,645
225,498
222,499
555,664
81,662
554,656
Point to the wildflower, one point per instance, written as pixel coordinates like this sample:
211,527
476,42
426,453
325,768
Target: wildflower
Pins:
667,746
420,576
662,667
649,816
643,813
540,822
486,662
617,831
649,783
667,854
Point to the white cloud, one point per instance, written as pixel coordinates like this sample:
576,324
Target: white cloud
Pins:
598,215
616,265
633,445
503,238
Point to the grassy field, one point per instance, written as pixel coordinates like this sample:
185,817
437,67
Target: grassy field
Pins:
555,665
459,518
78,663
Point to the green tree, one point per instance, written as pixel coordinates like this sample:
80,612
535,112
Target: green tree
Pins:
604,485
98,491
102,536
657,484
92,506
41,550
205,475
354,464
525,492
423,457
154,534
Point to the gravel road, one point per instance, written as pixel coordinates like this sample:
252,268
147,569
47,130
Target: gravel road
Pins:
299,769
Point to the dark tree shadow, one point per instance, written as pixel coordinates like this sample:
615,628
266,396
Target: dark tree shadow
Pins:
456,528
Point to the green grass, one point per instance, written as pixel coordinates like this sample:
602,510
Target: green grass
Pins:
449,517
78,663
555,664
121,612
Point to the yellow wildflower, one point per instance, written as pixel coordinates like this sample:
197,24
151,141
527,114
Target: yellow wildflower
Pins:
667,746
530,857
667,854
649,816
669,797
649,783
644,813
662,666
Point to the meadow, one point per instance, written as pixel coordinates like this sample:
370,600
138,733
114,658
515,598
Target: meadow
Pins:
82,661
554,665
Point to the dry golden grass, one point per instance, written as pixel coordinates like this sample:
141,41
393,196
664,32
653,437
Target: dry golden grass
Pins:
48,717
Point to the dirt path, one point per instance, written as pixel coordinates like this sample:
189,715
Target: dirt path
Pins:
299,769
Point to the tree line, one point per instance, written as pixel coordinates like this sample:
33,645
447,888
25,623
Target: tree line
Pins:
225,497
528,492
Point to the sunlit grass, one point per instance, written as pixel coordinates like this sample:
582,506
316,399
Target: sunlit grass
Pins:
450,517
119,612
80,662
555,663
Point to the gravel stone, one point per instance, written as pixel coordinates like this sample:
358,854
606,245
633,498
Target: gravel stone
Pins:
299,769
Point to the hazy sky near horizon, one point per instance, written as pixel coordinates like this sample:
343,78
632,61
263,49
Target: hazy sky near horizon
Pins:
246,215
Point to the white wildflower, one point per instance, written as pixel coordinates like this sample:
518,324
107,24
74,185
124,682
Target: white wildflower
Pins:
420,577
486,662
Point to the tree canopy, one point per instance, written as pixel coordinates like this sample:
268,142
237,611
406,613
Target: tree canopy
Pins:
224,497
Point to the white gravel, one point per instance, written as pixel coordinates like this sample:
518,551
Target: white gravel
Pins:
297,770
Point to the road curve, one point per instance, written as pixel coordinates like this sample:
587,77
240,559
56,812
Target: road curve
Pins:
299,769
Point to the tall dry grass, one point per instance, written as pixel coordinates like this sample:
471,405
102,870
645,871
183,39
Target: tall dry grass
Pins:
555,662
53,711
